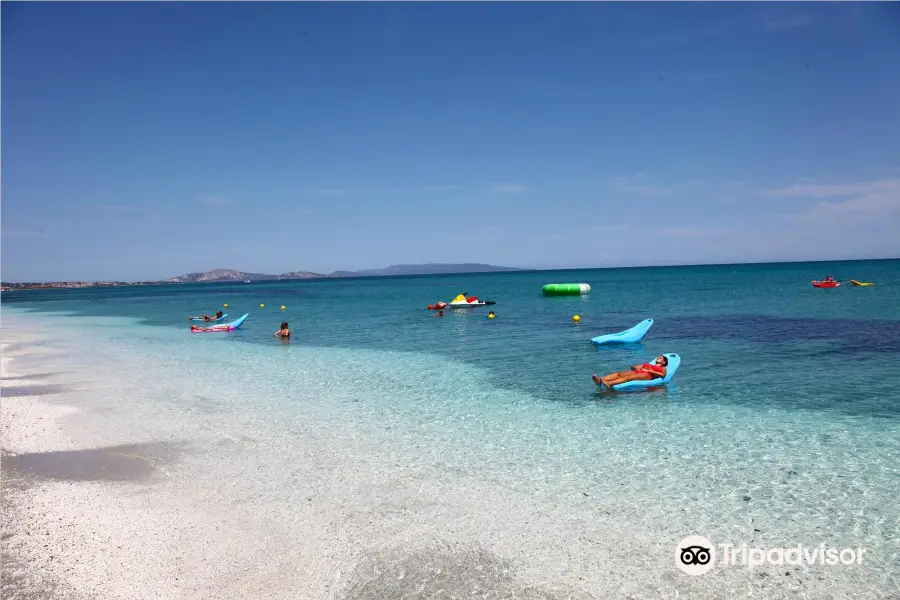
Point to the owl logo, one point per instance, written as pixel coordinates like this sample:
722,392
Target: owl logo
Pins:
695,555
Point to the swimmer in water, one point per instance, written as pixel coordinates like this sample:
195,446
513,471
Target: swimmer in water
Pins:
283,333
440,313
208,318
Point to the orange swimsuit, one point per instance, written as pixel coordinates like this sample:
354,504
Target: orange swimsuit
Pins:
654,370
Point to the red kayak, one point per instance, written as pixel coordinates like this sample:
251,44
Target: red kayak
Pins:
827,284
438,306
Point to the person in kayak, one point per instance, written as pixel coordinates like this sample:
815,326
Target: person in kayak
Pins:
644,372
828,279
284,332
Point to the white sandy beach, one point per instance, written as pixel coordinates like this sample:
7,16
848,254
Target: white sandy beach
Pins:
159,500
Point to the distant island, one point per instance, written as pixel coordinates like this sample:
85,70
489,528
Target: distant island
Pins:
225,275
232,275
393,270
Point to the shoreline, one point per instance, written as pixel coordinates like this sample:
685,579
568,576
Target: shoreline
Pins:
190,504
63,506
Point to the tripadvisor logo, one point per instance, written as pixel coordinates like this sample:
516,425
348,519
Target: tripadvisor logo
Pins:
696,555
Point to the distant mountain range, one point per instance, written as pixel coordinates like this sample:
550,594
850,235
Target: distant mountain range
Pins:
426,269
232,275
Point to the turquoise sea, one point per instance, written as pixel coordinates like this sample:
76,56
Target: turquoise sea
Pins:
781,426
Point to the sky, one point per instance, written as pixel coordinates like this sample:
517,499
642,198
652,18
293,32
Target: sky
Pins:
145,140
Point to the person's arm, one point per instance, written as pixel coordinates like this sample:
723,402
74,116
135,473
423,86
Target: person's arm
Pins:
278,333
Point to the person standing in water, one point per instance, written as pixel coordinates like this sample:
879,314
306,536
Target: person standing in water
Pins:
284,332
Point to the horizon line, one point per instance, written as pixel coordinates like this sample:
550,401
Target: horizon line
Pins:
515,270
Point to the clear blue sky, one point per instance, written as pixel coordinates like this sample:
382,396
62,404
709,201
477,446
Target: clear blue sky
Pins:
144,140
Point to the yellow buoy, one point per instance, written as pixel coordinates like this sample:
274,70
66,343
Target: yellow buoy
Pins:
262,305
491,316
282,307
225,305
576,318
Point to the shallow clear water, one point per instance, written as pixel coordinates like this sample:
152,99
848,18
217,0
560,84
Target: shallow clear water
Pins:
782,425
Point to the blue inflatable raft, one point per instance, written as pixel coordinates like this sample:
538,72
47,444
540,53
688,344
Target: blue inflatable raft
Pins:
240,322
629,336
633,386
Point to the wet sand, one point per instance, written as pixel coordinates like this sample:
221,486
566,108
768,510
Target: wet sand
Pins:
127,462
27,569
15,391
34,376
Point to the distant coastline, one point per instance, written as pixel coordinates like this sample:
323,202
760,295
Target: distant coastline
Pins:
224,275
234,276
56,285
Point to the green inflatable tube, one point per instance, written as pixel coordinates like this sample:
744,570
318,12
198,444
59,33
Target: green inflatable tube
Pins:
566,289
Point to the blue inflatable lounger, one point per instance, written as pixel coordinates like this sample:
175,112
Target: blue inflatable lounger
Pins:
629,336
643,384
238,322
